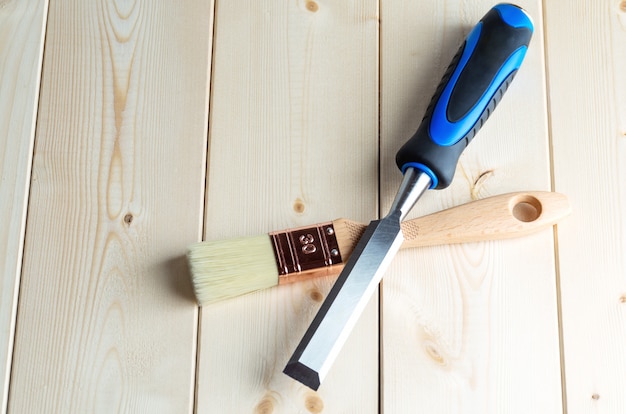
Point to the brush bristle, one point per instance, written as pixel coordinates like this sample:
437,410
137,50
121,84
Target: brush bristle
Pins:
227,268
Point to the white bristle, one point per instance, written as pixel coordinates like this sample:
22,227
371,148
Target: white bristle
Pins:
227,268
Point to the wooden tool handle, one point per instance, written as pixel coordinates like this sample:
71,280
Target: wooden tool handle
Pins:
498,217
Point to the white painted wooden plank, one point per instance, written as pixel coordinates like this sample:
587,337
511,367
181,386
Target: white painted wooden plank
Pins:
469,328
586,49
22,29
107,321
293,141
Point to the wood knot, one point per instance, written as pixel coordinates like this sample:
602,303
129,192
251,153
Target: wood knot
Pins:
434,354
595,396
313,403
316,295
298,206
622,299
265,406
479,182
312,6
128,219
622,6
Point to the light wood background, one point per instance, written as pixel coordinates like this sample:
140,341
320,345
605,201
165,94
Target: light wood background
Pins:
130,129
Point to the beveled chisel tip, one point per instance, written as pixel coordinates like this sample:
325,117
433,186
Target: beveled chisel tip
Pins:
303,374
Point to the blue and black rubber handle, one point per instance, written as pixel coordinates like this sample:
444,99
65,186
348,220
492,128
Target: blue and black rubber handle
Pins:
472,86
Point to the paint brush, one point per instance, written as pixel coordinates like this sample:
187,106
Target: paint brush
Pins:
224,269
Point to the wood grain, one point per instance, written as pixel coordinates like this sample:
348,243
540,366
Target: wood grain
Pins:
293,141
586,49
22,29
467,328
307,109
106,319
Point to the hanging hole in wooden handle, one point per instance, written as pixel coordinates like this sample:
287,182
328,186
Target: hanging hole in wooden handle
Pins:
525,208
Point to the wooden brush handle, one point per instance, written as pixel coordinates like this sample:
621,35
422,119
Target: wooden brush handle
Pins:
498,217
494,218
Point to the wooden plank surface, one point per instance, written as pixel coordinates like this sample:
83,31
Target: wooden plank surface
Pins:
293,141
22,29
106,319
468,328
586,49
310,101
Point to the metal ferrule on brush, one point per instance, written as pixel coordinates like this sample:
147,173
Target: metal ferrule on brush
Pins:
305,252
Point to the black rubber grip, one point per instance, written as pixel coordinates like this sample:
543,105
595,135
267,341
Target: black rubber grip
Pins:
472,86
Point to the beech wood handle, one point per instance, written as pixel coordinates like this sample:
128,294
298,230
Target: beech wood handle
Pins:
498,217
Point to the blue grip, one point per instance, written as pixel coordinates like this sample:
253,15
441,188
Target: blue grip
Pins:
469,91
514,16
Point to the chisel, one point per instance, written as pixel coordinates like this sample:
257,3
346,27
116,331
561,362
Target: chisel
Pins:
472,86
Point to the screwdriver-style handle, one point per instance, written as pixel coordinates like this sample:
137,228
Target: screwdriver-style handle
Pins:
474,83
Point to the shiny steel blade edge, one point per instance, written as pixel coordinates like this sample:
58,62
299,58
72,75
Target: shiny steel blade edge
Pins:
349,295
354,287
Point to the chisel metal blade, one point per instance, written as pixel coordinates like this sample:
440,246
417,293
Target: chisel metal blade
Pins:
345,302
382,239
